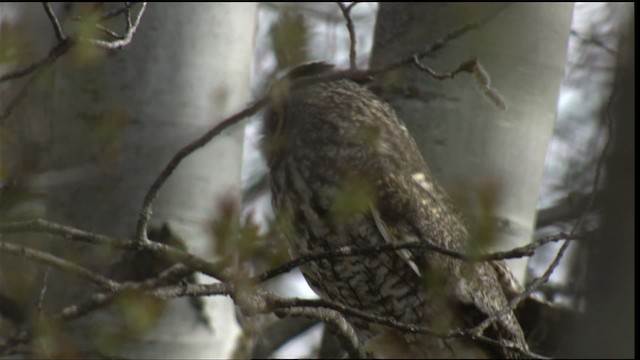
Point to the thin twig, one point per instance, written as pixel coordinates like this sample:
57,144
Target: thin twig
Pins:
195,262
467,66
66,43
127,16
438,45
43,291
114,12
336,322
110,33
17,99
515,301
346,12
278,333
346,251
60,49
596,177
126,38
57,29
75,311
278,302
527,354
153,287
59,263
145,212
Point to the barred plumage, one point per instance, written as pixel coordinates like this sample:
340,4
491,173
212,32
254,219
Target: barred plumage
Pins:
345,171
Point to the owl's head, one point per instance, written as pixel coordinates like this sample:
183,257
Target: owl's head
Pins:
274,124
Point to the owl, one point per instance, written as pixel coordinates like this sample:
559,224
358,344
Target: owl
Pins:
344,171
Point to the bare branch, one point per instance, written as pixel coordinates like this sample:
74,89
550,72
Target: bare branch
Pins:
110,33
346,251
127,16
62,264
66,43
43,291
481,76
467,66
278,334
60,49
598,174
510,346
71,233
334,320
57,29
515,301
126,38
145,212
16,100
94,302
346,12
438,45
116,12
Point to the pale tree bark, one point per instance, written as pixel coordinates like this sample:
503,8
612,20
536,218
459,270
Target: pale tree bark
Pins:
116,120
490,160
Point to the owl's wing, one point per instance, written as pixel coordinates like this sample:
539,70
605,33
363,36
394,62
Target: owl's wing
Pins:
482,288
389,238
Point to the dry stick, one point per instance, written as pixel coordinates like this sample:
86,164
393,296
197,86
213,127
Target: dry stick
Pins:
212,269
57,29
67,42
126,39
115,12
477,331
438,44
18,98
336,322
511,346
346,251
62,264
157,286
466,66
150,196
127,16
195,262
110,33
60,49
596,178
43,291
346,12
277,302
153,287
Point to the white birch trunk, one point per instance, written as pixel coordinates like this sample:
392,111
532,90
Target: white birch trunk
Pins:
476,150
116,121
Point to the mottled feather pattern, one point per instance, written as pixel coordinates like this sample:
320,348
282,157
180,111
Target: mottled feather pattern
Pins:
327,134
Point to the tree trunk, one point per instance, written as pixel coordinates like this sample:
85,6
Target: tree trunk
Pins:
117,119
490,160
